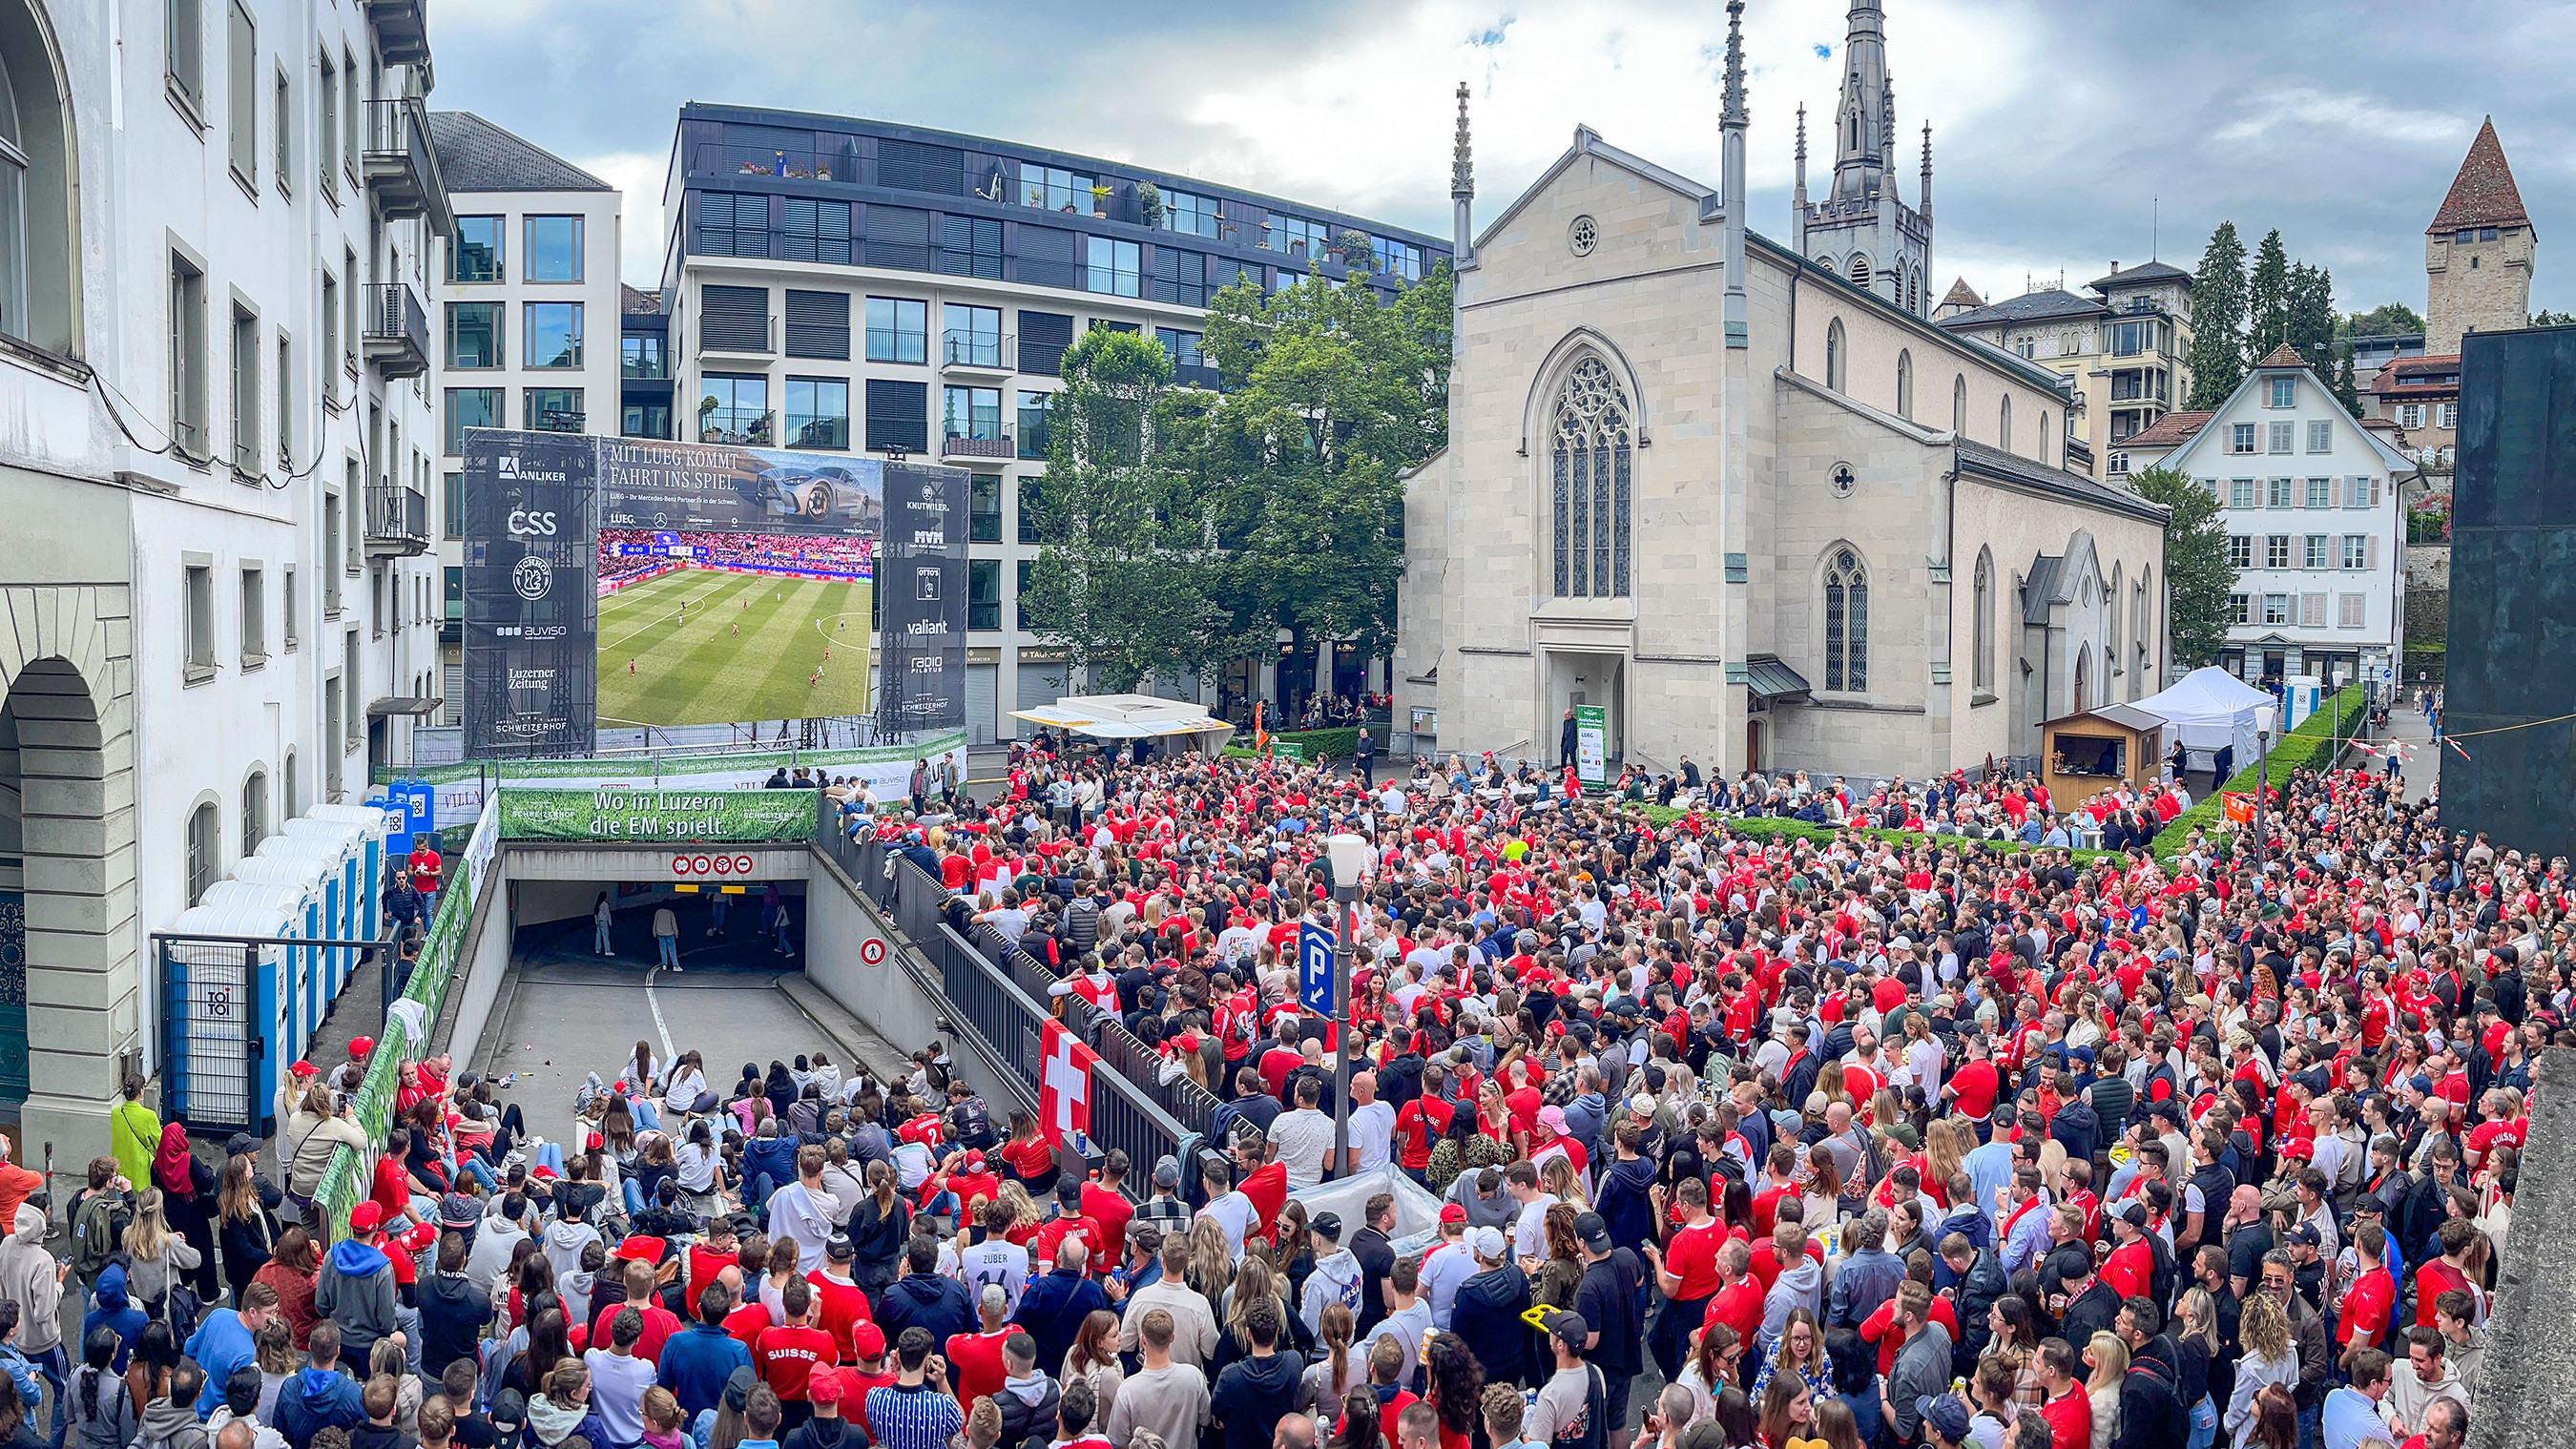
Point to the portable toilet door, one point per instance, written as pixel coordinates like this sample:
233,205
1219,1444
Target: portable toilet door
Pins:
376,826
303,987
214,1004
363,913
276,994
326,861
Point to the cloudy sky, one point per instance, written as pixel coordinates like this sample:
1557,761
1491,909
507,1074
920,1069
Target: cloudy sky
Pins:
2061,131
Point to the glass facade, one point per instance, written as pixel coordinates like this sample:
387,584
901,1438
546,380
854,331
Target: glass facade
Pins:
818,412
898,330
641,357
972,412
554,334
1110,266
1051,189
554,250
474,253
734,408
473,334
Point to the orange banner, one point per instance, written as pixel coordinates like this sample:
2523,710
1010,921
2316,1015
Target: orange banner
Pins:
2239,808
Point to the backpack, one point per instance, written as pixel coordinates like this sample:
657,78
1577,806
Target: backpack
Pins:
98,1235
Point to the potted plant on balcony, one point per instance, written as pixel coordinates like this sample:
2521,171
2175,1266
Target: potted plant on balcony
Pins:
1100,201
1352,245
1149,202
706,430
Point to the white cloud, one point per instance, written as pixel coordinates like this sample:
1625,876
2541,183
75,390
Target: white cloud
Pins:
2370,117
638,177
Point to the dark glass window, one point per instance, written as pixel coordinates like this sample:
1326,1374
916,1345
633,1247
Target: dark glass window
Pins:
470,407
984,509
554,250
641,356
474,253
818,412
1031,509
814,231
898,330
552,409
473,334
1033,427
734,408
983,594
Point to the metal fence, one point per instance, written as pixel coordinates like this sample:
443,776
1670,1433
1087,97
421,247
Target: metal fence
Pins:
212,1042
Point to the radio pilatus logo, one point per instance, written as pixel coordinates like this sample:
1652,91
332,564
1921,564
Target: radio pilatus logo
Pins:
533,577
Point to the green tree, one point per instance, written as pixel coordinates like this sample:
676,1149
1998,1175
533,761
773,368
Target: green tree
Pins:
2267,298
1126,578
2198,577
2388,318
2547,318
1331,398
2345,390
2311,313
2218,319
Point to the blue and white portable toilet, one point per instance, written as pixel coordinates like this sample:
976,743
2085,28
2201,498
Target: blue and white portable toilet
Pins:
278,1040
332,861
299,987
376,826
215,1020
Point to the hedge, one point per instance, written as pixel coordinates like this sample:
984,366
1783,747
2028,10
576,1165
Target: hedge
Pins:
1320,745
2300,749
1776,827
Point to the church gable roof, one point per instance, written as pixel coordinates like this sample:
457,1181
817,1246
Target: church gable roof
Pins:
1588,142
1962,295
2044,306
2483,193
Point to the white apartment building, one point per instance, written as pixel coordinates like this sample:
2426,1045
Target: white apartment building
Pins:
215,456
526,327
2314,527
844,285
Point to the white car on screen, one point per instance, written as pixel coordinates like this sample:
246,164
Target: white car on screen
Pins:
812,492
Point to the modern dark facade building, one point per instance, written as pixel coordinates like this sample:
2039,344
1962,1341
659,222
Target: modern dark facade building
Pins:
853,285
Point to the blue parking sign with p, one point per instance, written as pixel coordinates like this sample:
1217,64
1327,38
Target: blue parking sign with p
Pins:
1315,968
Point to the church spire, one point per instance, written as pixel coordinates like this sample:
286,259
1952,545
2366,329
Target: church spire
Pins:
1862,134
1732,120
1462,189
1798,196
1926,208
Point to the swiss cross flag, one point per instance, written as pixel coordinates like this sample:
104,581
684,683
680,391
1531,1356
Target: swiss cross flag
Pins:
1064,1082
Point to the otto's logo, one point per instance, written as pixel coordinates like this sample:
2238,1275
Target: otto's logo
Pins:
533,577
530,523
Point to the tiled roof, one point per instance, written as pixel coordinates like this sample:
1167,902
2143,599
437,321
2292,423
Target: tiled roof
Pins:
636,299
2483,194
2029,307
2012,468
2141,275
1962,295
2170,431
2283,356
2436,362
475,155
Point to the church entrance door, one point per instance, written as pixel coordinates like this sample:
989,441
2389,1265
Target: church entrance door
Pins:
1753,744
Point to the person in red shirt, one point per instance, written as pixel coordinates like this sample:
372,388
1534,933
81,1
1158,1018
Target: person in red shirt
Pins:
976,1367
1686,1269
785,1355
2067,1409
659,1322
840,1304
1738,1302
866,1370
1422,1122
1069,1221
2445,1272
1971,1088
1105,1203
423,865
2372,1299
2131,1268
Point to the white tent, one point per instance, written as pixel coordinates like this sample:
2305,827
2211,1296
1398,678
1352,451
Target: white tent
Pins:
2210,709
1132,717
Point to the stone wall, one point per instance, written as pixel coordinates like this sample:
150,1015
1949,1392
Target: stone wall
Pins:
2529,1374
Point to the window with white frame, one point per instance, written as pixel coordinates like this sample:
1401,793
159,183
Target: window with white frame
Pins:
2276,493
2119,464
2276,551
2356,550
2320,493
2312,611
2352,611
205,851
2285,392
2446,415
2240,438
2360,492
2320,436
2240,608
254,616
2410,415
2240,493
2276,609
241,110
2283,434
2312,551
197,624
2240,551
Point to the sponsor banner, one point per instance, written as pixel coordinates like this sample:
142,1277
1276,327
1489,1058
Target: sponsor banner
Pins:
921,598
668,814
531,613
459,789
1591,746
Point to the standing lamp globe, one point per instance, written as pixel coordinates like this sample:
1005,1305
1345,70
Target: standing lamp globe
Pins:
1350,857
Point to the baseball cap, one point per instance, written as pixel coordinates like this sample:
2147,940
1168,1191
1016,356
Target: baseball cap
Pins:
510,1408
239,1143
1593,1232
824,1386
737,1389
1642,1105
1167,1172
305,1069
1068,1193
1552,1117
867,1340
359,1046
1569,1329
838,1248
1945,1413
974,1162
1451,1212
366,1217
2307,1233
1488,1243
1330,1225
2135,1215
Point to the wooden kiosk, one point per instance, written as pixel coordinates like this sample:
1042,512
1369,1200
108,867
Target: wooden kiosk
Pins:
2085,753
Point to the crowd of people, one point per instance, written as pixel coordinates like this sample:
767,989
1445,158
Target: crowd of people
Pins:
756,551
1721,1136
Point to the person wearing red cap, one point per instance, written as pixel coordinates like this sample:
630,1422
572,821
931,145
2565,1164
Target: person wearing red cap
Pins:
830,1392
867,1369
356,1286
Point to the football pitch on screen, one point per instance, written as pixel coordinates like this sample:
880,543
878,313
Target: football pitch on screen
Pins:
746,647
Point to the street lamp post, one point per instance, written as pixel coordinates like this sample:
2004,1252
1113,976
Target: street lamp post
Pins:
2265,716
1349,856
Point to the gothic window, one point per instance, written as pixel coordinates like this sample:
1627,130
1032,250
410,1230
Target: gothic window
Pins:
2043,435
1591,464
1981,664
2003,425
1959,404
1846,623
1834,354
1905,385
1860,270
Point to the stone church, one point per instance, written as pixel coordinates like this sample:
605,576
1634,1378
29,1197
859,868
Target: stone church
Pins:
1756,506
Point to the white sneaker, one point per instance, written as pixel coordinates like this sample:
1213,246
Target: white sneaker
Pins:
676,966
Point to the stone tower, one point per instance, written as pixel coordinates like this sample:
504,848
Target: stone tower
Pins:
2479,252
1860,228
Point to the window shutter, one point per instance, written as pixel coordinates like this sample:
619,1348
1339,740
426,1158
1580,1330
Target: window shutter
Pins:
914,166
1046,256
2374,491
2370,555
2334,493
734,319
898,415
898,237
818,325
1043,338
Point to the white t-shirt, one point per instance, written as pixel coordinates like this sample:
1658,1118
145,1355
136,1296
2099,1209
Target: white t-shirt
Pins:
1529,1230
1305,1138
1372,1135
994,1261
1234,1214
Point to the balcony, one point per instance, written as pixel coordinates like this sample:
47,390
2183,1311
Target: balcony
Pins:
397,520
954,446
558,420
714,158
966,352
397,330
741,427
401,167
402,30
1198,374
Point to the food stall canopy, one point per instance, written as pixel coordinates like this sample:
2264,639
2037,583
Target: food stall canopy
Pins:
2209,710
1132,717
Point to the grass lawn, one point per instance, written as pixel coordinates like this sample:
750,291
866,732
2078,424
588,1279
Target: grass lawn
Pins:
747,651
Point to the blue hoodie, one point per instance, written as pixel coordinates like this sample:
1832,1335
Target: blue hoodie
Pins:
317,1399
115,1310
356,1291
697,1361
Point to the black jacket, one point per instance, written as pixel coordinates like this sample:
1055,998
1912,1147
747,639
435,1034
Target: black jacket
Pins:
1024,1422
1251,1397
452,1316
1486,1316
1974,1295
2152,1415
925,1300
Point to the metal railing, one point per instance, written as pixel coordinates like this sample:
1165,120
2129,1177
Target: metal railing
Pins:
397,329
954,446
960,347
397,514
717,159
402,164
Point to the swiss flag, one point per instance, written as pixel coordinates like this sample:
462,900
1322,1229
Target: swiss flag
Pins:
1064,1081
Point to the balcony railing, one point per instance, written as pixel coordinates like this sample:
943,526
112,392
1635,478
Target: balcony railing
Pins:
742,427
402,166
962,351
717,159
559,420
1197,374
397,330
954,446
402,30
397,519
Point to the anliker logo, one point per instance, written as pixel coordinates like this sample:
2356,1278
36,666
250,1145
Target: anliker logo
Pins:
506,466
533,577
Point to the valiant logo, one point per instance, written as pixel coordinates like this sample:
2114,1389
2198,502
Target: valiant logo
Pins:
927,626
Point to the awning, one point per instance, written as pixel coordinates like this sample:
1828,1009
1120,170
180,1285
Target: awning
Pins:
402,705
1771,679
1129,717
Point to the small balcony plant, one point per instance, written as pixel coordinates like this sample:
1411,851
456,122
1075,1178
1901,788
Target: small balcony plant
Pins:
1100,201
1149,202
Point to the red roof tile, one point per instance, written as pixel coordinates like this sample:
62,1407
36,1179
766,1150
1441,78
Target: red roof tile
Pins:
2283,356
2170,431
2483,194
